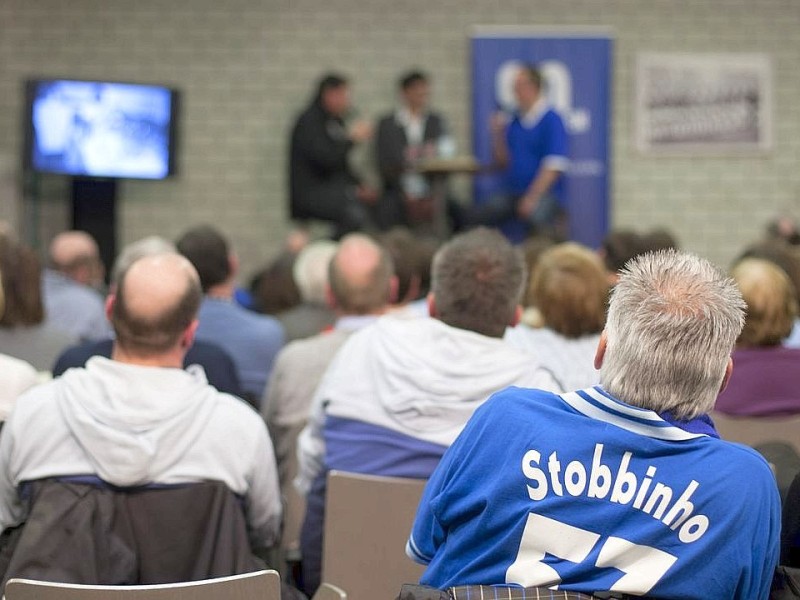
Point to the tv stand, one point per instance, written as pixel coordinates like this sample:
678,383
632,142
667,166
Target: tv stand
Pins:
94,210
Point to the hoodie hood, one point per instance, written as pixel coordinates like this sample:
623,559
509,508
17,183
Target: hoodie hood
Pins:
134,422
423,377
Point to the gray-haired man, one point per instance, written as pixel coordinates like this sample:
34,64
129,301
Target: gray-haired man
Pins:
624,487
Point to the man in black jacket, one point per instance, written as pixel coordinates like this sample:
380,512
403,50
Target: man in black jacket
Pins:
322,185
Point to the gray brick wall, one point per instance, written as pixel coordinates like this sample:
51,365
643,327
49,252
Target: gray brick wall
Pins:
247,67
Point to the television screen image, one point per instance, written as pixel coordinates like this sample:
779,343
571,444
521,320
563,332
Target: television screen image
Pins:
101,129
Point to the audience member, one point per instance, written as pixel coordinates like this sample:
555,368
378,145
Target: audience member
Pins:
273,289
251,340
399,391
532,249
767,375
321,183
570,290
784,228
361,288
69,286
625,487
787,257
404,139
310,275
91,421
216,364
412,256
617,249
23,332
658,239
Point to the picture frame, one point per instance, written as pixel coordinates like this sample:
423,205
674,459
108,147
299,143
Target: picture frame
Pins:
690,104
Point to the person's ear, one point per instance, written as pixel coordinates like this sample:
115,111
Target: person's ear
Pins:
432,306
600,354
330,299
517,316
727,377
187,339
111,299
233,265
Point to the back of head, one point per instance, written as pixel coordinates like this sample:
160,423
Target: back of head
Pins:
75,253
404,250
361,275
619,247
570,289
658,239
781,254
672,322
477,282
770,299
20,280
532,250
208,251
157,299
149,246
310,270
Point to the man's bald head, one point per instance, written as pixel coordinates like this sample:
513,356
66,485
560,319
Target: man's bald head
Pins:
157,300
361,274
75,253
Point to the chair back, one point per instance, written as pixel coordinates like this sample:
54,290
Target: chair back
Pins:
758,430
326,591
264,585
90,533
367,522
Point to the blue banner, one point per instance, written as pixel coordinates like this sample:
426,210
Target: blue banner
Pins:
577,72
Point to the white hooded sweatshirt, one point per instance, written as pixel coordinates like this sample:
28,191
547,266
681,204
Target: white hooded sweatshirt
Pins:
418,377
133,425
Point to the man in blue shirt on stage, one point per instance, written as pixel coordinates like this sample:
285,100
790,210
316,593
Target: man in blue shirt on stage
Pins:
531,150
646,500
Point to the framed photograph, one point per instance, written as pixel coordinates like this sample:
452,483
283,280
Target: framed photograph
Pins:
703,103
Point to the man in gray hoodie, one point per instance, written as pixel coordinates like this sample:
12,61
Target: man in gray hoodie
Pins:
400,390
139,418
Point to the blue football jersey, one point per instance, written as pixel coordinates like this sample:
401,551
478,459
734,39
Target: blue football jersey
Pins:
582,492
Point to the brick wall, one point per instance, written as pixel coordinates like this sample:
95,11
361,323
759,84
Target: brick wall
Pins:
247,67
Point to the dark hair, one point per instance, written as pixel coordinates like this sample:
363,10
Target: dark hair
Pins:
477,282
367,294
274,289
412,78
20,277
330,81
619,247
658,239
208,251
148,336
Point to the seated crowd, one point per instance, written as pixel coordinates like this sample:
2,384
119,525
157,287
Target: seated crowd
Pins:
556,400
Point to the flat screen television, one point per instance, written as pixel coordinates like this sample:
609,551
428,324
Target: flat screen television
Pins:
100,128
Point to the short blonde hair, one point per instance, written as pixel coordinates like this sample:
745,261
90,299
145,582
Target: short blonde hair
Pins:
570,288
771,302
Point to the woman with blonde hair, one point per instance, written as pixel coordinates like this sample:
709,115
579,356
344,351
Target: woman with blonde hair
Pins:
766,374
569,288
